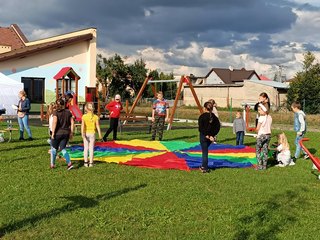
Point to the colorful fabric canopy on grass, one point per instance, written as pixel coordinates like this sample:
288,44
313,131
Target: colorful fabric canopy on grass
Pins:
168,154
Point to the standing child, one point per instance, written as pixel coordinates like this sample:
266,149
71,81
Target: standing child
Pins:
62,131
239,127
90,122
214,109
300,126
263,137
209,126
283,149
264,99
51,109
115,108
160,115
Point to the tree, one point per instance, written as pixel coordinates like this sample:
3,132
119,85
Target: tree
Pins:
305,87
112,73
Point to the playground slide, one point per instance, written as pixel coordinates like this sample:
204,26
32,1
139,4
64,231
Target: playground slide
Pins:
76,112
315,160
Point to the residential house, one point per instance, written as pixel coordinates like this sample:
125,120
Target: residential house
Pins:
234,87
35,63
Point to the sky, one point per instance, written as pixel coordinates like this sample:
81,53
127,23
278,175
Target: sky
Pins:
183,36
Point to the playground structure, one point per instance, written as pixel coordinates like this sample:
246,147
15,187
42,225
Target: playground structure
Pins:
183,80
315,160
67,82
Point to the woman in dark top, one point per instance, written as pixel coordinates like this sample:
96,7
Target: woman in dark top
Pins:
62,131
23,114
209,126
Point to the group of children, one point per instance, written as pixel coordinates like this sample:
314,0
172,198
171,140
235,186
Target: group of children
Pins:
263,128
61,125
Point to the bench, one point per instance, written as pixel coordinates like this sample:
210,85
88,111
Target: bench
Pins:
134,121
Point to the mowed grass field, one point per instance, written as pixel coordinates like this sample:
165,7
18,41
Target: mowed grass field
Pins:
111,201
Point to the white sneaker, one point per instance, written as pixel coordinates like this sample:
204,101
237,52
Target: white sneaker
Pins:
306,156
280,165
292,163
314,167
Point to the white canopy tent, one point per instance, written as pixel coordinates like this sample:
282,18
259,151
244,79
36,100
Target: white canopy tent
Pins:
9,90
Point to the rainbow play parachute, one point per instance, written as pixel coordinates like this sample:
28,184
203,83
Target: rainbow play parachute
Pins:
168,154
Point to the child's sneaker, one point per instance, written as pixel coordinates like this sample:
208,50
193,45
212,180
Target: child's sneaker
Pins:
86,164
306,156
70,166
292,163
90,164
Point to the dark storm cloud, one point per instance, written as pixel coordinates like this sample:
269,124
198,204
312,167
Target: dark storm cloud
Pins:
259,47
162,23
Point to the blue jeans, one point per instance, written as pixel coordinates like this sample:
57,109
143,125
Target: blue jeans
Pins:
239,138
205,143
298,147
24,124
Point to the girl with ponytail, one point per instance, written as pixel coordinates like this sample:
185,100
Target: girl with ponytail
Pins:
209,126
89,124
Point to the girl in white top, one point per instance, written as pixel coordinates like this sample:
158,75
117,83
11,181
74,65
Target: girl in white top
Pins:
283,157
263,137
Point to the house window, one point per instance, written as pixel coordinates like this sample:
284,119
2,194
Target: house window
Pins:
34,87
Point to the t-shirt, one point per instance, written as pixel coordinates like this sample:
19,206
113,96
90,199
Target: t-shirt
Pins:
160,107
63,122
90,122
265,127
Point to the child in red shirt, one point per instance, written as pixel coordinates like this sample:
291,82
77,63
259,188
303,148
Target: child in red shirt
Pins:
115,108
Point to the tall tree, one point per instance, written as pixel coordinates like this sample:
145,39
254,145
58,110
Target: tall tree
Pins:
305,87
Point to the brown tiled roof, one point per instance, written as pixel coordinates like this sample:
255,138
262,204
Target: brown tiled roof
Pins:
231,77
9,37
30,50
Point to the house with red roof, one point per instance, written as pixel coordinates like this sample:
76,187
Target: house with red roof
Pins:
36,63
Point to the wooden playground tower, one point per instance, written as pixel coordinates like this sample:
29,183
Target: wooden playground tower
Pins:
183,79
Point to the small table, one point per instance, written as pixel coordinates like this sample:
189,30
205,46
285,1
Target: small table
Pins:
10,132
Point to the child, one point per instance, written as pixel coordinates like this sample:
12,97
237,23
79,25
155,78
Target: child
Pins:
90,122
283,151
51,108
160,115
62,131
263,137
115,108
214,110
239,127
209,127
264,99
300,126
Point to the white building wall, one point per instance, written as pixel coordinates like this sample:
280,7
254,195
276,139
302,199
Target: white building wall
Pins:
80,56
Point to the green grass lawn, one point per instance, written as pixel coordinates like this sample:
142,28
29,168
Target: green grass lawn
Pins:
111,201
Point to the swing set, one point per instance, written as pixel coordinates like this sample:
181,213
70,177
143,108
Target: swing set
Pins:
183,80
